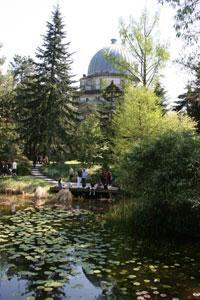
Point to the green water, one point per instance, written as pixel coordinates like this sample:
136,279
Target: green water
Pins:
51,253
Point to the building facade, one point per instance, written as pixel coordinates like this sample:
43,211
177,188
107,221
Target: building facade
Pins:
101,74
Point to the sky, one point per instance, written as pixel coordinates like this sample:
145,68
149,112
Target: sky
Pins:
90,24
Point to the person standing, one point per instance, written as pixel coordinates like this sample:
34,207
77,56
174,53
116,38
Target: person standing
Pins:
109,177
84,177
71,174
14,168
79,177
104,179
34,161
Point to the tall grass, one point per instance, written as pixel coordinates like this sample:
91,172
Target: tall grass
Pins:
22,183
121,215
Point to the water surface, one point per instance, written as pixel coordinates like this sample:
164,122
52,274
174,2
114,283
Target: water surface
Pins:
51,253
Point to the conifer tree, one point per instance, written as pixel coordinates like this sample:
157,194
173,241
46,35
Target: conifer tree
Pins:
189,102
111,95
47,95
161,94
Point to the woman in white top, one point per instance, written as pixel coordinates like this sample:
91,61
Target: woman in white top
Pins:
14,168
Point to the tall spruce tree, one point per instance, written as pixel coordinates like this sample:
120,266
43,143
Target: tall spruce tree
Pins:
48,117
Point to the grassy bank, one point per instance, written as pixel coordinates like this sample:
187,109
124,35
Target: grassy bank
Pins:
21,183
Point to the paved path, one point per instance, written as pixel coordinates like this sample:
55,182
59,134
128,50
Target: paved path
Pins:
37,173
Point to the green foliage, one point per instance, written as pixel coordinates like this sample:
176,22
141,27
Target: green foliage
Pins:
24,166
176,122
189,102
121,215
48,119
187,18
163,167
21,68
111,96
161,94
56,170
10,148
163,174
91,144
180,218
22,183
146,54
137,116
157,219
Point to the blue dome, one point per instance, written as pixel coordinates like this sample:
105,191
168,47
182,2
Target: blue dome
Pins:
99,65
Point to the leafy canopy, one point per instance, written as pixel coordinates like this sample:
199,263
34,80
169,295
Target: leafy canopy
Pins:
139,116
145,55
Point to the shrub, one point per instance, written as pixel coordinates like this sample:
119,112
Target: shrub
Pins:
165,167
164,173
24,167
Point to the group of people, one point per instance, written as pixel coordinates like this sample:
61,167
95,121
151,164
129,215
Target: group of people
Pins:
81,176
8,168
40,159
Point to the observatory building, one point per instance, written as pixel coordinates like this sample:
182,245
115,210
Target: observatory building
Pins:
101,73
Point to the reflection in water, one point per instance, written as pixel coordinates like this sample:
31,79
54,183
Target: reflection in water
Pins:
13,208
13,289
80,285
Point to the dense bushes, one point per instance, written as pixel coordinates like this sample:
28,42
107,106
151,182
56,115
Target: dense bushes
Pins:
24,166
164,167
163,173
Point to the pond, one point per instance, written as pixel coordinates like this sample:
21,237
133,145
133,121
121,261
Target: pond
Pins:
51,253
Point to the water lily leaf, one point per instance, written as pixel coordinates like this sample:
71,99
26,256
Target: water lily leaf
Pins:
96,271
136,283
48,289
131,276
